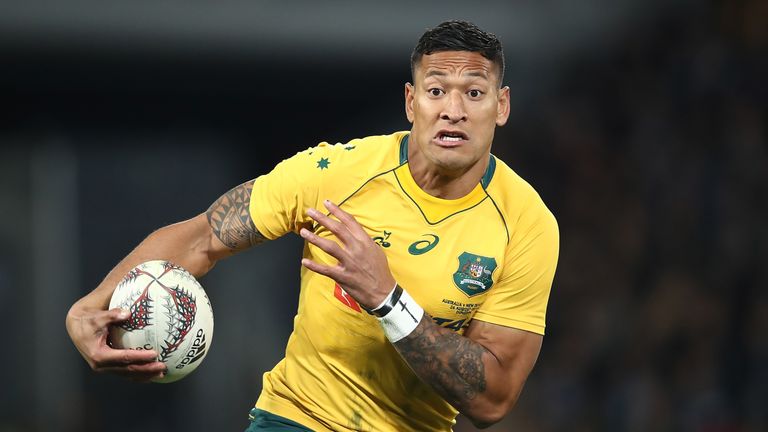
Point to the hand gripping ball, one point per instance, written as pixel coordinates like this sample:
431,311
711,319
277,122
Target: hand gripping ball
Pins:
170,313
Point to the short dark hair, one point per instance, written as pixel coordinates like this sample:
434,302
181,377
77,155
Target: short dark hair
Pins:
457,35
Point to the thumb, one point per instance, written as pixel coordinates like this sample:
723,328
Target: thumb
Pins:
116,315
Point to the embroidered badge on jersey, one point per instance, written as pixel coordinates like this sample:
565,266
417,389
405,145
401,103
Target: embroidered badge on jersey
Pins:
473,276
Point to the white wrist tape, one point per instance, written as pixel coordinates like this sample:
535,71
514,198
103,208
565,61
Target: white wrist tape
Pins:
404,316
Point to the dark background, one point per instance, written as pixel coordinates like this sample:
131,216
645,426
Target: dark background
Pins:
642,124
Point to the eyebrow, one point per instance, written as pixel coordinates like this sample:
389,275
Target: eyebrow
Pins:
441,73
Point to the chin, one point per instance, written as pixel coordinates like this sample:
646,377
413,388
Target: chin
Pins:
453,164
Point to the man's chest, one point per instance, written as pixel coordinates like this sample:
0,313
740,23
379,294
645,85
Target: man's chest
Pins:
449,267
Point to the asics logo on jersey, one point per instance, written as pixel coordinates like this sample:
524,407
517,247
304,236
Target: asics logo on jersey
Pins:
423,246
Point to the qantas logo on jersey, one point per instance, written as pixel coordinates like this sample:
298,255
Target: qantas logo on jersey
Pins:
345,298
473,276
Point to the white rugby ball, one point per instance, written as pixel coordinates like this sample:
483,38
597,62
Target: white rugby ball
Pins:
170,313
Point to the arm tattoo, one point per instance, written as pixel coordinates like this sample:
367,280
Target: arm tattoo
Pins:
230,218
452,364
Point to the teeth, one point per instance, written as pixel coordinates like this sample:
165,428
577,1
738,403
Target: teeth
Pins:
450,138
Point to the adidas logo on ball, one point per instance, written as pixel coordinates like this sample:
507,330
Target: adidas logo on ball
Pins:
196,352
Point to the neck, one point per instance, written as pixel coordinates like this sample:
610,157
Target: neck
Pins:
446,184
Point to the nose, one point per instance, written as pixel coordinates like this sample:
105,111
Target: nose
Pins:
454,111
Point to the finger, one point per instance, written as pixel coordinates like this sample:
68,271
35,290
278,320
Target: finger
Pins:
336,227
152,368
331,272
349,221
135,374
329,246
107,357
103,319
148,377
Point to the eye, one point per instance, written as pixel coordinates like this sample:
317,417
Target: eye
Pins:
435,91
474,94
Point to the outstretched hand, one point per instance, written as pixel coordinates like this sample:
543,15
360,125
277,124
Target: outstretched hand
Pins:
362,268
89,331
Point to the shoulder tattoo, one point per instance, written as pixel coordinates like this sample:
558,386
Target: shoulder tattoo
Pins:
230,218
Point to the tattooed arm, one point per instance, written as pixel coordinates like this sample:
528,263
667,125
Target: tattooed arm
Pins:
195,244
230,221
481,373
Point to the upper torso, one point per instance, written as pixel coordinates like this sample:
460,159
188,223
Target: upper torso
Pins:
464,259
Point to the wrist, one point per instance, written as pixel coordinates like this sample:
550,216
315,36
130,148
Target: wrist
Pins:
386,305
400,314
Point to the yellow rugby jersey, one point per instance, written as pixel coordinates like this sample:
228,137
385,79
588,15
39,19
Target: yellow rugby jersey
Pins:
490,255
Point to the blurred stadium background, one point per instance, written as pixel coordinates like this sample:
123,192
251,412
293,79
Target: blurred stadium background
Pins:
641,122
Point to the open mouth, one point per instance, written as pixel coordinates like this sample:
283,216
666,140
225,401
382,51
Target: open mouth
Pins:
451,136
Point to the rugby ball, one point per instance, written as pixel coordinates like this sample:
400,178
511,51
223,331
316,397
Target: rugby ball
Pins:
170,313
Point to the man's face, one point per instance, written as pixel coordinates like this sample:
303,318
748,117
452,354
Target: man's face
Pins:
455,104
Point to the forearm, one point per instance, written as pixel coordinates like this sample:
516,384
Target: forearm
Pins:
461,370
187,244
195,244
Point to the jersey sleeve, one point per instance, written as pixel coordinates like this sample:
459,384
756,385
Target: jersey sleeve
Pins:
281,198
519,299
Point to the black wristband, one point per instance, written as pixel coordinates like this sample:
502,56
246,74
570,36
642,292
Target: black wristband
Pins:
386,307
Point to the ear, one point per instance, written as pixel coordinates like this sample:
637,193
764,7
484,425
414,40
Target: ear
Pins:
409,101
502,113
